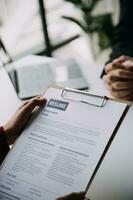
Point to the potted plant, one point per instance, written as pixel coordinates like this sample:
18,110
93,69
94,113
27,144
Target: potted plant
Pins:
99,25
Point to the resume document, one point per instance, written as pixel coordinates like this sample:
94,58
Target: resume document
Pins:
59,150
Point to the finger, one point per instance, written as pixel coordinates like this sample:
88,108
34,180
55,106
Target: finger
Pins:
27,101
122,85
22,105
73,196
109,88
37,101
122,94
106,79
112,66
122,59
128,65
118,63
128,97
108,67
117,75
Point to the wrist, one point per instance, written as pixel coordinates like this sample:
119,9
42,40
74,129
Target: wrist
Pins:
6,129
8,133
2,133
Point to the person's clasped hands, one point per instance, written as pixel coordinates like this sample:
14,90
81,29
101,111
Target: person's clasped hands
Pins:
119,78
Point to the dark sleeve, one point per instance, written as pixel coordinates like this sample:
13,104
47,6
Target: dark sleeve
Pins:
4,148
123,32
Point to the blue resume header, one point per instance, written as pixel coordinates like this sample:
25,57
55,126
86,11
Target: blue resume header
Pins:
57,104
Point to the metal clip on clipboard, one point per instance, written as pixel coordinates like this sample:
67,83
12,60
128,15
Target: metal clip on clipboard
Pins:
84,97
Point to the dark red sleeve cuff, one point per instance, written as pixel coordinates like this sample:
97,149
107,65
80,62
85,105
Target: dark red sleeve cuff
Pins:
4,148
2,130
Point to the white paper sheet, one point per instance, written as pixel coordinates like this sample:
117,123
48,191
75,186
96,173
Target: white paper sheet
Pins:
114,179
58,152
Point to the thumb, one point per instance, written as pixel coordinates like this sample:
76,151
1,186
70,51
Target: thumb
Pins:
37,101
73,196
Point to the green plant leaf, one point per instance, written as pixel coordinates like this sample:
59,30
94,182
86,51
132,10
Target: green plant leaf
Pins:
75,2
84,6
101,24
104,41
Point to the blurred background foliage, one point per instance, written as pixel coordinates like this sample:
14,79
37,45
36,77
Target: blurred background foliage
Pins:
101,24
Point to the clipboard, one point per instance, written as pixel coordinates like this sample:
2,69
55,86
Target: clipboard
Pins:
101,102
92,100
114,178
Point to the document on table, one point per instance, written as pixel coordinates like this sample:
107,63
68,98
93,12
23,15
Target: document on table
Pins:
59,150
